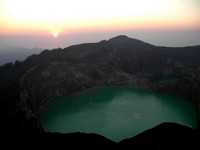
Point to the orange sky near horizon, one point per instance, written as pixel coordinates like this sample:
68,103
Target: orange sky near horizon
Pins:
67,16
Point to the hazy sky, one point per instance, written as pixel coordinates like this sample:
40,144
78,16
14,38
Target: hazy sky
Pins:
60,23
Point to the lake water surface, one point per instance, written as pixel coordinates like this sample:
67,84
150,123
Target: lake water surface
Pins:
115,112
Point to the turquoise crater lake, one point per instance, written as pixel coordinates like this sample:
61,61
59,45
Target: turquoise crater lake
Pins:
115,112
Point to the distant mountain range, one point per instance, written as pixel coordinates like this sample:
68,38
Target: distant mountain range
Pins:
11,54
28,86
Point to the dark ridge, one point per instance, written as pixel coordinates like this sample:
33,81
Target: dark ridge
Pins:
120,38
124,41
165,136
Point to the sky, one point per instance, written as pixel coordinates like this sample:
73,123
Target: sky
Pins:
50,24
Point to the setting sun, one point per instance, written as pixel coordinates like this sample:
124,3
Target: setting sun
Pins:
55,33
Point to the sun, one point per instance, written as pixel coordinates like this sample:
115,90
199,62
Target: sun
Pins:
55,33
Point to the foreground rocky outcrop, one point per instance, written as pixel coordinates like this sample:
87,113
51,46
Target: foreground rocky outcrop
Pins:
164,136
28,86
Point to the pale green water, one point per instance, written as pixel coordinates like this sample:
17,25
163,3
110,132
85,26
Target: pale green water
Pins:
115,112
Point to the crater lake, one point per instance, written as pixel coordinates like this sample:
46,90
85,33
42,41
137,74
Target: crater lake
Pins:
115,112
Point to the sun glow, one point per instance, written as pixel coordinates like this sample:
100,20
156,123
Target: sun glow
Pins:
55,34
75,15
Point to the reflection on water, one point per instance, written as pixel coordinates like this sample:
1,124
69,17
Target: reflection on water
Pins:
115,112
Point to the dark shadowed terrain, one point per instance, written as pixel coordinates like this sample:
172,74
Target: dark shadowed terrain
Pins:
27,87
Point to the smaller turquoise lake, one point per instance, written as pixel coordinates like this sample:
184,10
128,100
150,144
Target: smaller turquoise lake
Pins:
115,112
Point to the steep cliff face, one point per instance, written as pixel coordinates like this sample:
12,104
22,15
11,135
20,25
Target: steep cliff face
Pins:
43,83
28,86
186,87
